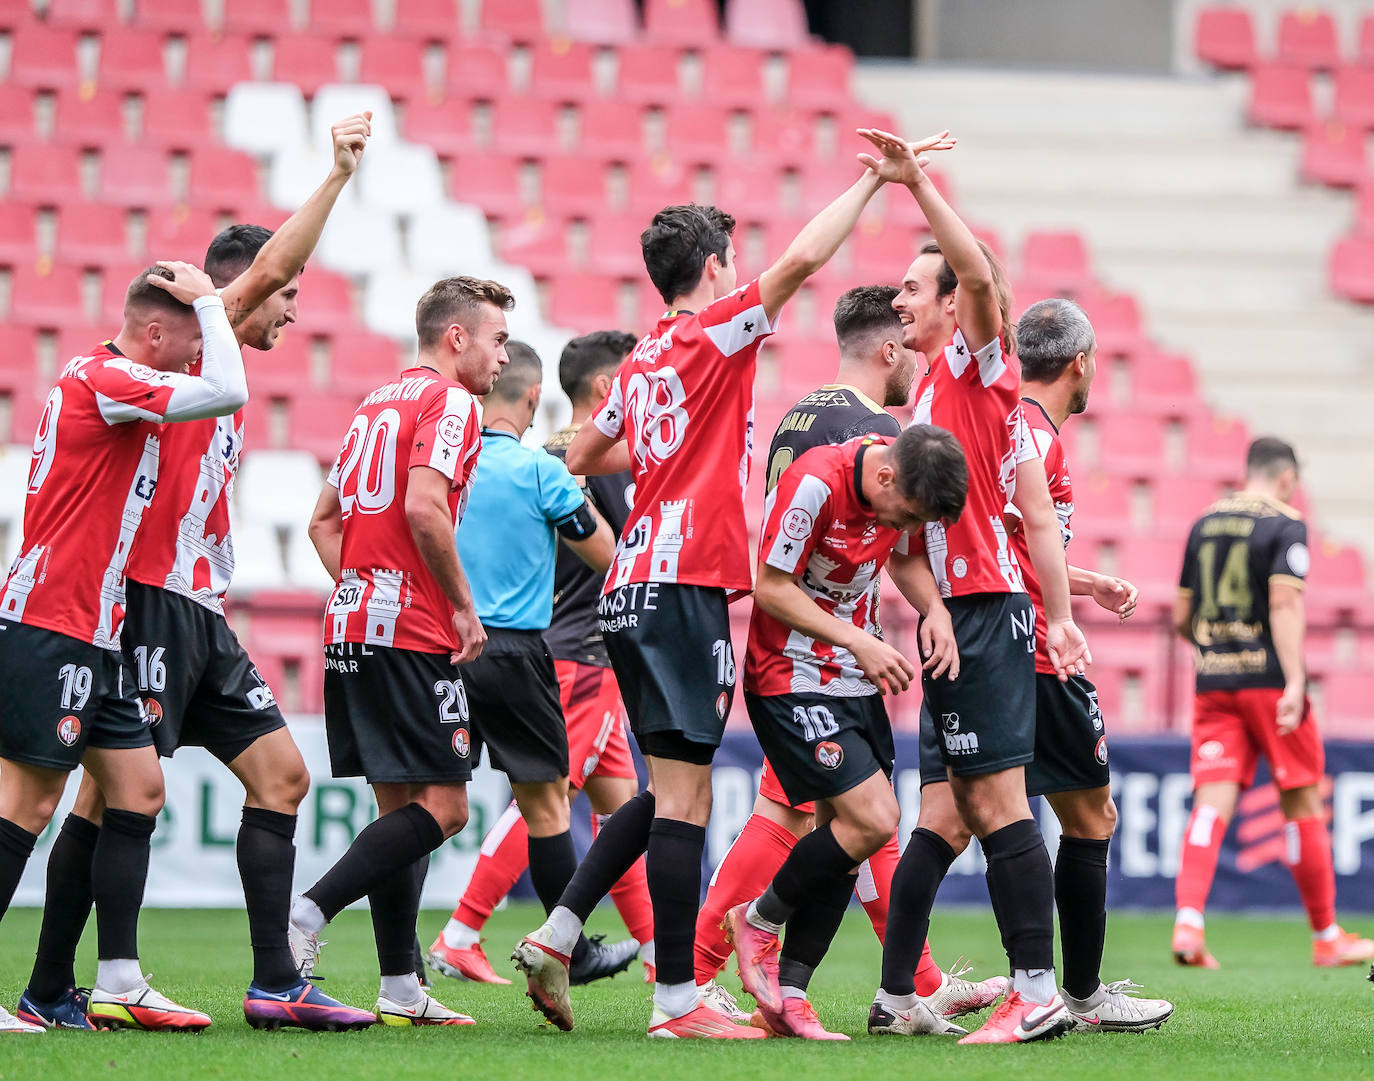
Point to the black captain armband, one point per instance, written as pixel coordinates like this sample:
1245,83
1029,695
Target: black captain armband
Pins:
579,525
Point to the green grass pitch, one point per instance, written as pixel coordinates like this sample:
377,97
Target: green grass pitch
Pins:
1266,1014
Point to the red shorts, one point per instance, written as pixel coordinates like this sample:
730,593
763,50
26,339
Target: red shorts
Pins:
597,743
770,789
1231,729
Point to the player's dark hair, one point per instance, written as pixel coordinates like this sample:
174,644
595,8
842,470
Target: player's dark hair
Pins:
587,357
676,245
864,311
1049,335
947,281
1270,456
524,371
931,469
148,301
233,251
456,300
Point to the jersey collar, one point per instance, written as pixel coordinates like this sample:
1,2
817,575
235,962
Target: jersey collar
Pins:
857,393
868,441
1052,424
497,431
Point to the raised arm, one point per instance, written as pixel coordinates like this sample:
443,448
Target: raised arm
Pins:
431,524
282,257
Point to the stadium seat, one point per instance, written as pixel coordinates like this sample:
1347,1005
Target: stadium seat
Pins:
540,245
131,60
818,77
612,130
135,176
404,179
513,20
308,60
1102,508
1364,211
360,361
1307,38
648,75
360,241
89,15
273,485
751,190
397,64
682,23
294,174
733,76
1057,259
89,234
1352,268
882,251
286,651
222,178
43,57
582,301
177,121
786,135
445,127
180,17
777,25
1216,448
1225,37
46,297
1180,499
335,101
527,126
698,134
326,301
475,73
342,18
1280,97
248,106
572,186
1129,444
258,565
89,120
602,22
1164,384
1333,153
561,70
613,239
16,116
1152,564
655,183
1354,97
427,20
318,422
1116,320
258,18
216,64
18,235
1348,705
491,181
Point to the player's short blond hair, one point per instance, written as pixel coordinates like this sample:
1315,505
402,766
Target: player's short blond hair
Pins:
456,300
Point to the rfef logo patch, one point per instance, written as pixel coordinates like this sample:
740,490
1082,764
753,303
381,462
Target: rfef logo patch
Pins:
69,730
829,754
451,431
797,523
462,742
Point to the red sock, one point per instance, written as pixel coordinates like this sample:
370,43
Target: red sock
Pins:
1197,865
748,867
631,895
504,856
1309,858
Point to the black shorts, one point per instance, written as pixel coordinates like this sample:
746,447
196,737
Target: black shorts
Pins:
984,721
395,716
198,685
1070,745
670,648
822,746
62,695
513,699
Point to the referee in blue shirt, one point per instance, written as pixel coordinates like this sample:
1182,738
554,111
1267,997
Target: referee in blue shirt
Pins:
521,500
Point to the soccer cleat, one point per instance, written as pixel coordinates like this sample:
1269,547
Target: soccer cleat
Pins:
468,963
302,1006
67,1011
884,1020
1018,1020
305,949
798,1019
427,1011
1115,1008
546,979
601,961
958,996
1347,948
142,1007
715,997
10,1023
1190,947
756,952
703,1023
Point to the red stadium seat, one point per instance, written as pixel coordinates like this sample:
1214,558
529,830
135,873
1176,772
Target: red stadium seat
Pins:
1354,102
131,60
882,252
180,234
561,70
1180,499
571,186
1365,48
222,178
18,235
51,297
819,76
1280,97
684,23
537,243
1116,319
342,18
360,361
317,422
784,134
1352,269
308,60
584,302
1348,705
1164,384
733,76
89,120
1307,38
91,15
527,126
1364,211
648,74
1225,37
491,181
89,234
613,240
177,121
46,174
1216,448
396,63
803,366
43,57
1102,507
445,127
476,72
326,303
183,17
1059,260
1130,444
698,133
259,18
216,63
613,130
658,182
114,284
1334,154
135,176
603,22
427,20
19,347
751,190
285,647
1152,564
515,20
778,25
16,116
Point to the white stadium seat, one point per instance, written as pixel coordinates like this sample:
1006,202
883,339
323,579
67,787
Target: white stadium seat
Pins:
265,118
403,178
338,100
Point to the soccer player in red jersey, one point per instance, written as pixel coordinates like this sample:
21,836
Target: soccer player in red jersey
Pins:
683,405
1240,605
401,616
67,701
955,305
874,367
814,677
197,684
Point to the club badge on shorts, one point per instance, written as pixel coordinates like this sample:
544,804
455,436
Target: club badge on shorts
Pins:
829,754
69,730
152,711
462,742
1101,751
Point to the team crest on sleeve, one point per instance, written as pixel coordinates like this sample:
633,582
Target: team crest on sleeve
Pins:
829,754
69,730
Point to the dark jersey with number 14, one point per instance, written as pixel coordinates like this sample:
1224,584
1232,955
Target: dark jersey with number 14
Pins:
833,414
1235,550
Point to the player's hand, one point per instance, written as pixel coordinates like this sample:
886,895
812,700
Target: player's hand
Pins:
1116,595
1068,648
472,636
901,161
1291,708
883,666
350,138
186,282
937,644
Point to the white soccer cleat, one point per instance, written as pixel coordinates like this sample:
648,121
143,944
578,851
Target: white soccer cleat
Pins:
958,996
546,977
145,1008
1116,1008
10,1023
427,1011
918,1020
305,949
715,997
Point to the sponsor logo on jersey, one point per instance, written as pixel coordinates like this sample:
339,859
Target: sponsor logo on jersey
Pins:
829,754
722,704
1100,753
462,742
957,742
796,523
69,730
152,712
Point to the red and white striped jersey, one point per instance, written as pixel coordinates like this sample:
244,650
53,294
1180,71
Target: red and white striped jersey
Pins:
1046,439
94,470
386,595
185,545
817,526
974,395
684,401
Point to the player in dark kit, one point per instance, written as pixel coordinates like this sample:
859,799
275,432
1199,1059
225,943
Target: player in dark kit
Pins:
955,305
816,670
683,404
1240,605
